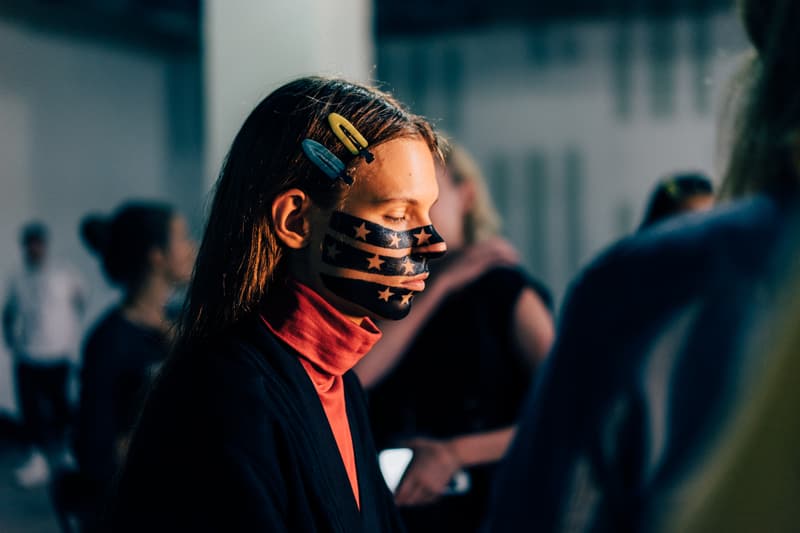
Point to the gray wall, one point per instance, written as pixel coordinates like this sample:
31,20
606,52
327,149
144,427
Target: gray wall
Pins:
573,122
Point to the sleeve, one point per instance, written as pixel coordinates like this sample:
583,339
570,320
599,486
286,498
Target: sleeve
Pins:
10,311
94,428
80,292
503,286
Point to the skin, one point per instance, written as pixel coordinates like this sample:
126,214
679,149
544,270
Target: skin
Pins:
35,252
436,461
698,202
169,267
396,190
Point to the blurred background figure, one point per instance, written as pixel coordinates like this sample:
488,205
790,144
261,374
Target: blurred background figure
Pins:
680,193
672,372
448,381
41,323
748,480
145,249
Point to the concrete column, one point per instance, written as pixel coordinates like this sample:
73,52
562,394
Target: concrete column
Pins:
251,47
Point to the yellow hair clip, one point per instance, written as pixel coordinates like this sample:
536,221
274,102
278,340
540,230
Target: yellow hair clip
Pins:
672,189
350,136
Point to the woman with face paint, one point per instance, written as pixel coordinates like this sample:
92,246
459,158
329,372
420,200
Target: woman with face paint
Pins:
319,225
448,381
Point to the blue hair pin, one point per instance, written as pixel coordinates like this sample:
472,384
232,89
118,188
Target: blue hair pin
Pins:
323,159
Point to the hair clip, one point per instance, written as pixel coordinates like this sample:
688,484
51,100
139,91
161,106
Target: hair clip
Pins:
672,189
329,164
350,136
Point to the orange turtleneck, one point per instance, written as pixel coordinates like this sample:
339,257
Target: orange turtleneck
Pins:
329,345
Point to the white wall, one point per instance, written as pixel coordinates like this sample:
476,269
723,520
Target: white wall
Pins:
520,97
255,48
84,126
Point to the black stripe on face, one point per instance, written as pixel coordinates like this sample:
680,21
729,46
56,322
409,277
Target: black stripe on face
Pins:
340,254
377,235
386,302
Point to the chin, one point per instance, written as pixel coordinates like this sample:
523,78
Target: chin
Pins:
361,298
353,309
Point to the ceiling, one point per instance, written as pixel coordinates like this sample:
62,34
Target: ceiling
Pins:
173,26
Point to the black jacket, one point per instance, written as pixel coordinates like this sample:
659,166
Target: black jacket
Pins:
236,439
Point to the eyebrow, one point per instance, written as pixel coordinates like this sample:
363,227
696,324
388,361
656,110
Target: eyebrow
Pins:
381,201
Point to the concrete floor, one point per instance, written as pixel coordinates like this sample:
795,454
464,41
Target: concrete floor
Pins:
22,510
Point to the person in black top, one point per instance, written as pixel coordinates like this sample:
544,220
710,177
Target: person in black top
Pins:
448,382
319,224
145,249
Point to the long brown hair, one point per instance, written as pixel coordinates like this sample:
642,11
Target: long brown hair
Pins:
240,255
767,94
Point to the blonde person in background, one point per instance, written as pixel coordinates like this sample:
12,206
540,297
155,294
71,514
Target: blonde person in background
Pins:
448,381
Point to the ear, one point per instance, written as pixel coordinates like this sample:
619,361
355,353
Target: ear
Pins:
291,218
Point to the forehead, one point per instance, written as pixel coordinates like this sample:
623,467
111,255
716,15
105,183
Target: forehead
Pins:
403,169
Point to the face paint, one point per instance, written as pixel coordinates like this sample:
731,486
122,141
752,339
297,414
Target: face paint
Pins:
376,267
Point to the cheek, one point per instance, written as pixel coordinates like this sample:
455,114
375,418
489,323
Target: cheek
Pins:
182,260
447,219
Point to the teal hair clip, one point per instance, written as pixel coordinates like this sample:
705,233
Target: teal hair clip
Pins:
323,159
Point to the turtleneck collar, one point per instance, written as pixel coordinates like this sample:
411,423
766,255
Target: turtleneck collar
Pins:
321,334
329,344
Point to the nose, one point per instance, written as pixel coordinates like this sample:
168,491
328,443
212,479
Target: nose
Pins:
429,244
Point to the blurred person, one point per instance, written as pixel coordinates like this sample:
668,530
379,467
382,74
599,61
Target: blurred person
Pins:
146,251
318,226
621,418
481,327
681,193
41,321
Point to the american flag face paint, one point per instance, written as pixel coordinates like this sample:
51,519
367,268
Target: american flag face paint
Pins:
376,267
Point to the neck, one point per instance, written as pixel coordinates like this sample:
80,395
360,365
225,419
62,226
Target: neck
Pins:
300,272
319,332
146,305
34,267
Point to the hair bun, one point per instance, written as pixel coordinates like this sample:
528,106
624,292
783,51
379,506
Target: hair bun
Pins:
96,233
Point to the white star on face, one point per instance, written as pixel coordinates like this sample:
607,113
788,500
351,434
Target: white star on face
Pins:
395,240
333,251
362,231
408,266
385,295
407,298
375,262
422,237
